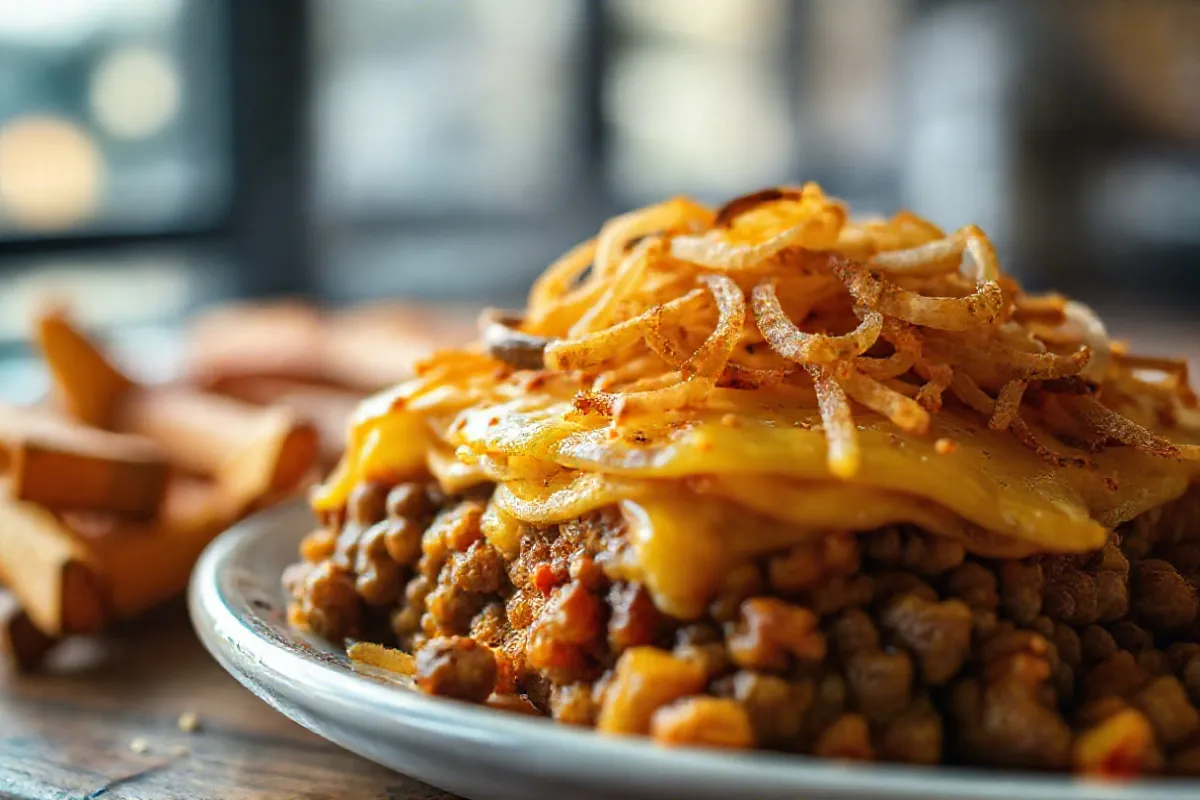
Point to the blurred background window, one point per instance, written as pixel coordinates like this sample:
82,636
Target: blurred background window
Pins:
430,109
156,155
113,117
697,98
449,142
114,141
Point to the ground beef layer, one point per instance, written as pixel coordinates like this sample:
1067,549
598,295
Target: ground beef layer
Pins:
892,645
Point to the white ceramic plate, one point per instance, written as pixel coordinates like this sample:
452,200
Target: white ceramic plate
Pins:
238,608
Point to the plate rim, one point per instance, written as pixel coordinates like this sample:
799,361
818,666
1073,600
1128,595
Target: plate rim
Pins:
260,663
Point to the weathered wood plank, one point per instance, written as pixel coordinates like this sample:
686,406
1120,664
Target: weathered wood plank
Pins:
68,733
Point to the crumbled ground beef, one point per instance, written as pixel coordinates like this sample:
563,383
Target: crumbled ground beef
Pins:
891,645
634,619
776,706
880,683
456,667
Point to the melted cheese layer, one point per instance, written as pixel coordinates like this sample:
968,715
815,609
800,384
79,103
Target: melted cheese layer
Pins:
989,480
707,491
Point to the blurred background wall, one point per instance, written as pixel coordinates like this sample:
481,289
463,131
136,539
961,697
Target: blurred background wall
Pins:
161,155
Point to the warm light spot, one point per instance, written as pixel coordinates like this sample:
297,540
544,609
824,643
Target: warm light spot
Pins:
50,173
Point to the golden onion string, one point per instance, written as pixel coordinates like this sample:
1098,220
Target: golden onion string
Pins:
809,348
624,281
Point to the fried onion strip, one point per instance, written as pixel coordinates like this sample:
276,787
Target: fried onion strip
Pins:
966,390
932,258
817,224
907,343
1044,308
944,313
663,347
711,251
701,369
936,257
937,380
1025,435
891,366
1008,404
712,356
627,372
975,398
818,229
596,348
789,341
737,376
618,232
560,276
991,356
987,267
1094,337
843,456
1174,368
733,209
1111,425
907,414
623,282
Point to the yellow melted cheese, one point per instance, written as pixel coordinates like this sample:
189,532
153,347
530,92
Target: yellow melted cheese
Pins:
703,493
990,480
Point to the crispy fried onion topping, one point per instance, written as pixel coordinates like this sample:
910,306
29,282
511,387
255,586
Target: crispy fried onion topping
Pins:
778,297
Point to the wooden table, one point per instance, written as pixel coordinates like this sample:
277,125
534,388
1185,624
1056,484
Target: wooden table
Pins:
70,733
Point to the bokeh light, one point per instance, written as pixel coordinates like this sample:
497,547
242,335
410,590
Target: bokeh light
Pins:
51,173
135,92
